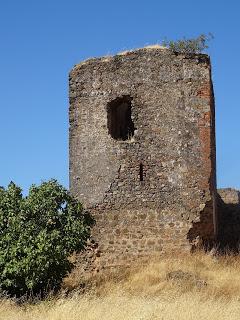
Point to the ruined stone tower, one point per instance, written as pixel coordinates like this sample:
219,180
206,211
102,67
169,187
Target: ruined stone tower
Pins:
142,151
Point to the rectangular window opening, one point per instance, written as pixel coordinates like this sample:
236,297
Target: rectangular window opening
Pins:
141,172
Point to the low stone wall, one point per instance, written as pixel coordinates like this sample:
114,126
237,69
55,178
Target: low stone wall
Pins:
229,218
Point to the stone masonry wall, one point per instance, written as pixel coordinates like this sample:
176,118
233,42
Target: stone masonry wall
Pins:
229,218
155,191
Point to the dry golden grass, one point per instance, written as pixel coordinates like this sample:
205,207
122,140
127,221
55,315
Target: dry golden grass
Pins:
152,46
108,57
208,289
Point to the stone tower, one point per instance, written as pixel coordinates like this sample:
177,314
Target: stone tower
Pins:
142,152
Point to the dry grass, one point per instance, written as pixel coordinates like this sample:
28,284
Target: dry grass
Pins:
145,292
109,56
152,46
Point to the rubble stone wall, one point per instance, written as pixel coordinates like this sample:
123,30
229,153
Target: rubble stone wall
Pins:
155,191
229,218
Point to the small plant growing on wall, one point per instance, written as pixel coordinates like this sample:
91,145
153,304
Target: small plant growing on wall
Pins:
194,45
37,235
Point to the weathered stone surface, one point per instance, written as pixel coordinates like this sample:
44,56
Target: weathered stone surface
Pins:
151,187
229,218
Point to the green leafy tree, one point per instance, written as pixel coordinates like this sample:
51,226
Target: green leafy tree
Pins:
37,235
194,45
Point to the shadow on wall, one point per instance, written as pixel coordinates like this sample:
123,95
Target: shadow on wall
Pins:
229,219
202,232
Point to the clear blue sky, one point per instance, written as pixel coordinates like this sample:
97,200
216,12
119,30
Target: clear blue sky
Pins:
41,40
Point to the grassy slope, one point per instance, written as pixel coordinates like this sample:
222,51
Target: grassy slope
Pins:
144,293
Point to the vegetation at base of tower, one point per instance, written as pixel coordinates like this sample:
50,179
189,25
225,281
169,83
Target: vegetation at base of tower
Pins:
194,45
37,234
177,286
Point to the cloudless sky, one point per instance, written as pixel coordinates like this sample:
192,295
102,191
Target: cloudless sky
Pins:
41,40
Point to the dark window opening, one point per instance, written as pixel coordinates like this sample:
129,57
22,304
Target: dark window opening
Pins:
120,124
141,172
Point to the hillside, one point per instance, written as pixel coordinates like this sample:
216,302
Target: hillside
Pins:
185,287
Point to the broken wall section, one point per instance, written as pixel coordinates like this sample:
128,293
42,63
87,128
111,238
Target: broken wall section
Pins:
229,219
